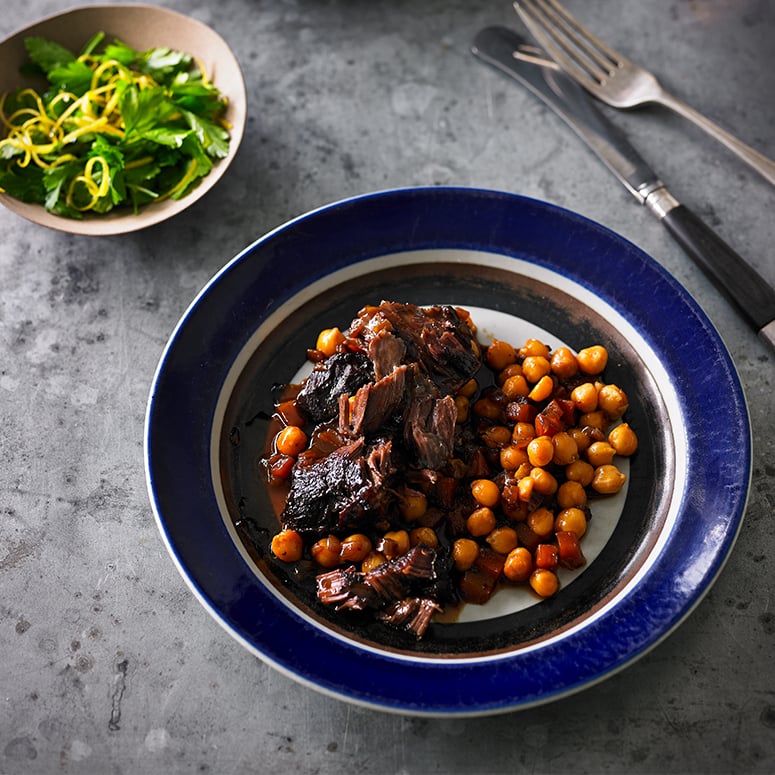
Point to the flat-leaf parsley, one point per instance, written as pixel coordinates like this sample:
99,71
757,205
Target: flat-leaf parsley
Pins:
115,127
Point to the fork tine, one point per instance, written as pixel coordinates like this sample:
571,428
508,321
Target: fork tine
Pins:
568,42
609,56
549,42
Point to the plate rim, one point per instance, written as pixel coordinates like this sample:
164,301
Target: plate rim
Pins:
446,708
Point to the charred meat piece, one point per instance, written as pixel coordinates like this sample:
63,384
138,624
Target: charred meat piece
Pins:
343,372
344,488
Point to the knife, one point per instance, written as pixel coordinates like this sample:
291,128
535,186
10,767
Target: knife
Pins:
513,55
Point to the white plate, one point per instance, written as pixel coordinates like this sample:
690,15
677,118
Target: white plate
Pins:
526,267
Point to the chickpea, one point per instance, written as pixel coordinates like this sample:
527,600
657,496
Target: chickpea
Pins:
580,471
608,480
541,521
540,451
571,494
544,482
326,551
328,340
536,366
515,387
464,553
581,438
542,390
518,565
533,347
462,404
613,401
566,450
394,543
486,492
496,436
571,520
523,432
355,548
469,388
481,521
512,370
487,408
623,439
290,441
502,539
595,419
500,354
372,560
564,363
593,360
525,488
544,582
414,504
288,546
584,397
423,535
512,457
600,453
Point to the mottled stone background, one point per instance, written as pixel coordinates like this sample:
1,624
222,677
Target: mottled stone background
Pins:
109,664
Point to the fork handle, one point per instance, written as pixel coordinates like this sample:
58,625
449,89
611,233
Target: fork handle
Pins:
764,166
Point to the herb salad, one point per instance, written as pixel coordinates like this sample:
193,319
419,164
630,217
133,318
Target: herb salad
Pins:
116,127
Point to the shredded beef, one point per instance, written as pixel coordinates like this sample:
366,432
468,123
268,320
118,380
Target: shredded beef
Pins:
375,404
413,614
384,420
430,424
435,337
391,588
387,352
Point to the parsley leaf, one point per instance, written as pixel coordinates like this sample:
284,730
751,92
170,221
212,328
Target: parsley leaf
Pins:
47,54
73,76
214,138
159,134
143,109
161,63
27,187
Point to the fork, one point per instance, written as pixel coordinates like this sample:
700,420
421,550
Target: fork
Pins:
613,78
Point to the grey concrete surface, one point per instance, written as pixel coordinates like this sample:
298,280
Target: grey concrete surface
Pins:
109,664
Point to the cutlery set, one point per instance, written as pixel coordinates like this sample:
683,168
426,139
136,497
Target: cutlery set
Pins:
568,66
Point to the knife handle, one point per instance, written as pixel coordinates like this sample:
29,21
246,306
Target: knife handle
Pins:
741,282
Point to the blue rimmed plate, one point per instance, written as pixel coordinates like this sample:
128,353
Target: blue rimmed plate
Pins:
524,268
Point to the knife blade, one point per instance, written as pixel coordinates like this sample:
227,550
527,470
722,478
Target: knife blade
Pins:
513,55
